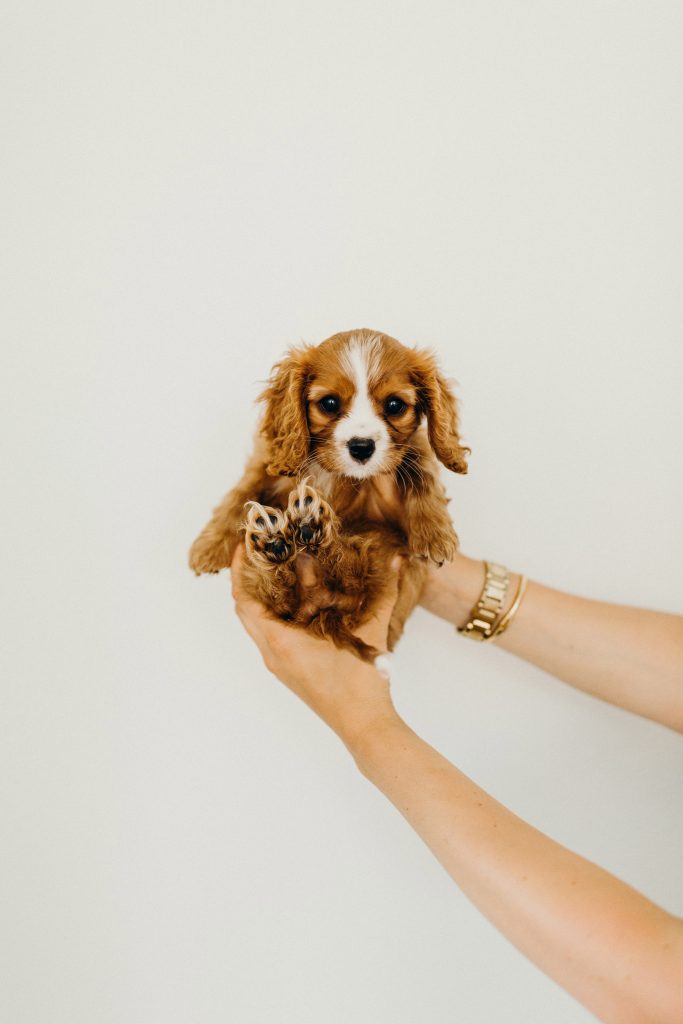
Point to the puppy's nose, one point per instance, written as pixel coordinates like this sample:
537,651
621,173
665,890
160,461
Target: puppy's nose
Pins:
361,448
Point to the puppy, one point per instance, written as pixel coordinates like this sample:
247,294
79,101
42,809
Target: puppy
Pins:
343,478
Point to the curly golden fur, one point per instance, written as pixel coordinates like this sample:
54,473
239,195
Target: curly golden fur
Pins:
343,477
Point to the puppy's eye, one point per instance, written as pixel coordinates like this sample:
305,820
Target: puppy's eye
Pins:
394,406
330,403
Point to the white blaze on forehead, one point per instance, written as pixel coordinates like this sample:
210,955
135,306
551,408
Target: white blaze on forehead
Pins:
361,360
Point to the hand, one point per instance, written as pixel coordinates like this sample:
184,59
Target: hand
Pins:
350,695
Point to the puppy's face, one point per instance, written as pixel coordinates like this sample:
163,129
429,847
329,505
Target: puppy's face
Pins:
353,404
362,404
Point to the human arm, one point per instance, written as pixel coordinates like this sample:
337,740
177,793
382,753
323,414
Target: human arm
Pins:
605,943
628,656
608,945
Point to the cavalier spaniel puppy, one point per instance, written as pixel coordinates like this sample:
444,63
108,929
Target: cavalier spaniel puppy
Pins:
343,477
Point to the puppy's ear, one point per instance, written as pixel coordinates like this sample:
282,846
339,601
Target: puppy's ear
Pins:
438,403
284,425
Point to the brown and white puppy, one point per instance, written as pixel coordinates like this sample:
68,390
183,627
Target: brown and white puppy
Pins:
343,477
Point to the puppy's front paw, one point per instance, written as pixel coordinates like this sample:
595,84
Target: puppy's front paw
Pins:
439,547
443,550
264,537
210,553
311,523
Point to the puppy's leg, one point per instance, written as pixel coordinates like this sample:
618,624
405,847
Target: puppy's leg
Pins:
343,575
312,526
329,565
410,585
295,564
268,573
431,534
266,537
214,547
342,561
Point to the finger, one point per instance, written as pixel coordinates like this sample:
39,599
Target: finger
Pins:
306,571
236,571
374,630
387,602
251,612
257,623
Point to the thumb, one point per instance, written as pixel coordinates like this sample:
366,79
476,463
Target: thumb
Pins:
374,630
389,597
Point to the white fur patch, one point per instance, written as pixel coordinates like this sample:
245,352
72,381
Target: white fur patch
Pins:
383,664
322,479
361,361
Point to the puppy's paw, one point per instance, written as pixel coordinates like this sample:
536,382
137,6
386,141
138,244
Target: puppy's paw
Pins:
438,547
210,553
311,523
443,550
264,535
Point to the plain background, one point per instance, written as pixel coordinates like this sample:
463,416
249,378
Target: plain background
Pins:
191,187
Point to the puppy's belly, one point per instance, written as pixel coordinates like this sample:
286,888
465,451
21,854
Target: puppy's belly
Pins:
313,592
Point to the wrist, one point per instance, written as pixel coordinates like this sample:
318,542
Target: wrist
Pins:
357,704
368,743
451,591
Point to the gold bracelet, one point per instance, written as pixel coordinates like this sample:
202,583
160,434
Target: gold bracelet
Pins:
512,610
484,615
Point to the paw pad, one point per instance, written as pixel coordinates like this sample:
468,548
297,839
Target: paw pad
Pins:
309,517
264,534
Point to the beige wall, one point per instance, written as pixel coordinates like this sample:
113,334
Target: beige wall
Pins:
191,187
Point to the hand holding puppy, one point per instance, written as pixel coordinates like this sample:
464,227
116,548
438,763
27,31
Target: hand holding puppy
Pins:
347,693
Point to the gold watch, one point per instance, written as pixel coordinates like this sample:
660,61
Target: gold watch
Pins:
487,610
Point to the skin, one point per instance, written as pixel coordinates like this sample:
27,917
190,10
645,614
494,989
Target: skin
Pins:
630,657
614,950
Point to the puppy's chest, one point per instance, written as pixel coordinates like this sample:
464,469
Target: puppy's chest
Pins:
377,502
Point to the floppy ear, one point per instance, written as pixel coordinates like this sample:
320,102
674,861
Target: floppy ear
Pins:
438,402
284,424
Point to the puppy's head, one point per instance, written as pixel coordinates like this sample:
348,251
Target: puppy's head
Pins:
353,403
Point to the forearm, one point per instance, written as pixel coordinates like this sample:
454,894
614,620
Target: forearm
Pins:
627,656
614,950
